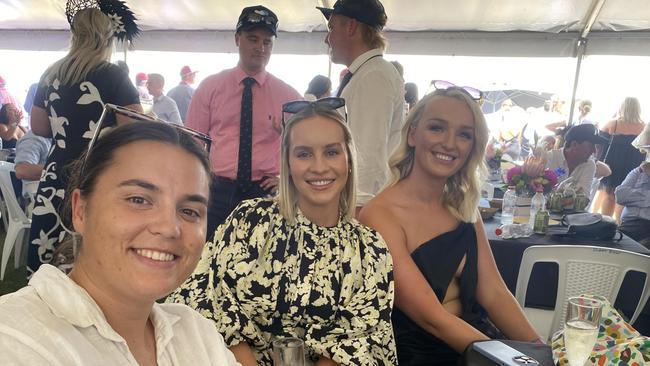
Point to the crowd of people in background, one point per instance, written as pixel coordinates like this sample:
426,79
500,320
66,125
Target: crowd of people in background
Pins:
347,218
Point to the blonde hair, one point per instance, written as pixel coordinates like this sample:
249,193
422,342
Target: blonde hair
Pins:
90,47
630,110
462,190
373,37
287,193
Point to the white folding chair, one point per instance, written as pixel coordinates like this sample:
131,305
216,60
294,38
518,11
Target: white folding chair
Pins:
18,223
582,270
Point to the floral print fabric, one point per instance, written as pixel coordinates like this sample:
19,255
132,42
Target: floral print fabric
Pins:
74,112
618,343
261,279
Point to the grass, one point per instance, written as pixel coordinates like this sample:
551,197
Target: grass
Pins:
14,278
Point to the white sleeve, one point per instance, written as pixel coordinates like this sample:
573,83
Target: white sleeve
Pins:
371,110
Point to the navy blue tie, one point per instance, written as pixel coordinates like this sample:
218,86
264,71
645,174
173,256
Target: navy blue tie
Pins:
344,82
246,136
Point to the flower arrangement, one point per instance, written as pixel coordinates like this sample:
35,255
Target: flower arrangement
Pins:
525,180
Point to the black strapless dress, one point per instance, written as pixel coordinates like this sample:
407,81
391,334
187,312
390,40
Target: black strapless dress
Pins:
438,260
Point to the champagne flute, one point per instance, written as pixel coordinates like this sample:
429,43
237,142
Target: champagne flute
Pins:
581,330
288,352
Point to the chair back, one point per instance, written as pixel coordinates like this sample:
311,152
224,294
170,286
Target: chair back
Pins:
14,211
583,270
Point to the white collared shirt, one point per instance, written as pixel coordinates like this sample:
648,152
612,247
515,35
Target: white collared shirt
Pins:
54,321
374,98
582,175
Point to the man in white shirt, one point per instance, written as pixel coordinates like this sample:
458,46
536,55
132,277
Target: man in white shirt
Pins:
575,160
164,106
373,90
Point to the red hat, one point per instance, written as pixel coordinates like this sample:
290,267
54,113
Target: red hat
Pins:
186,71
141,76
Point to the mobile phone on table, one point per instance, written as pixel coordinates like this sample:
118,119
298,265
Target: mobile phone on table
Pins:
503,354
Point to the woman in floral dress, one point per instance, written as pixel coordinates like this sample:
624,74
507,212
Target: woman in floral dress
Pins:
300,265
67,107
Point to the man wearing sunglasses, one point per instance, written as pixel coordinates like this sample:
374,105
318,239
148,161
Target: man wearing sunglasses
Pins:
240,109
373,89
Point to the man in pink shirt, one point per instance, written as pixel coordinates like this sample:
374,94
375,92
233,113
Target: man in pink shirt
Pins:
241,110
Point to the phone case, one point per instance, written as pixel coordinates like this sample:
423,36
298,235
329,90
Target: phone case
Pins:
503,354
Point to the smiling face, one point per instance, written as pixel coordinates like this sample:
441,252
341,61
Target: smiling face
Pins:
443,138
143,225
318,163
255,47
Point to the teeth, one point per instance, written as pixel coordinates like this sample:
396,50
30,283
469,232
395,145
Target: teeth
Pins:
444,157
155,255
320,182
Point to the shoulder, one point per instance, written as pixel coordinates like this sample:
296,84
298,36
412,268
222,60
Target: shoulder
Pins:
257,209
279,84
213,81
379,214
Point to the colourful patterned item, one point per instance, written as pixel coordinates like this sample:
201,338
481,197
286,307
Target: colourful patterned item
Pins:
618,342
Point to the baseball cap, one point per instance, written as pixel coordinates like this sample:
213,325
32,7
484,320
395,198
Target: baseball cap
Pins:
141,76
584,132
370,12
257,16
186,71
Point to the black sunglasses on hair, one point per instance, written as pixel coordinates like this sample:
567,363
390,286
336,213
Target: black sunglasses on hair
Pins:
111,109
328,103
474,93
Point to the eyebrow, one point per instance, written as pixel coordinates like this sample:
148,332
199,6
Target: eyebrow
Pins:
152,187
300,147
436,119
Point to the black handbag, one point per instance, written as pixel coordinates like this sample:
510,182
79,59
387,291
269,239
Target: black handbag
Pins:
589,225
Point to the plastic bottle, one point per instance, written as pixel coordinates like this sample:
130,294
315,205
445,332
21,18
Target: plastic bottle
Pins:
508,207
510,231
536,204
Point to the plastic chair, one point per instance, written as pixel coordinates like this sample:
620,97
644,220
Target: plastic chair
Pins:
582,270
18,223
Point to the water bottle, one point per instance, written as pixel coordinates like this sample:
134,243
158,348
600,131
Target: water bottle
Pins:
508,207
536,204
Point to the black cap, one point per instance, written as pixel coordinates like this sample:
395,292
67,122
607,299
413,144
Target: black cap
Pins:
584,132
370,12
258,16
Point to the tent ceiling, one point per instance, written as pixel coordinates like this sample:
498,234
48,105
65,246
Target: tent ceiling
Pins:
555,19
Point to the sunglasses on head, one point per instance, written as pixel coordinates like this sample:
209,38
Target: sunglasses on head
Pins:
328,103
113,110
474,93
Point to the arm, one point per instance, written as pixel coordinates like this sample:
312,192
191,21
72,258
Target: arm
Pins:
413,295
360,334
198,114
10,131
244,354
494,296
28,171
175,115
629,193
40,122
602,170
121,119
370,112
208,290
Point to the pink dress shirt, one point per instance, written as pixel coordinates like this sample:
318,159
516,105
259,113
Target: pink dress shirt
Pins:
216,108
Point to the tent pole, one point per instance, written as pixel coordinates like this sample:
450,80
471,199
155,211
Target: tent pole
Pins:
582,45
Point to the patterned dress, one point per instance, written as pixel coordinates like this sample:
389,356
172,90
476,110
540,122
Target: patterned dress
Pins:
262,278
74,111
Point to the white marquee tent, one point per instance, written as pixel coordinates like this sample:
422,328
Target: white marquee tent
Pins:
431,27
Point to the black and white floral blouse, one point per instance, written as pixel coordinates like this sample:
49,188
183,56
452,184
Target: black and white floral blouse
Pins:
261,279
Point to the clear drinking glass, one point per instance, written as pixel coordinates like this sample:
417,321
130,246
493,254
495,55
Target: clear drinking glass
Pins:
288,352
581,330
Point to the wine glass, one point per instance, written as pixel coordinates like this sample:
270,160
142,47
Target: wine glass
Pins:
288,352
581,330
